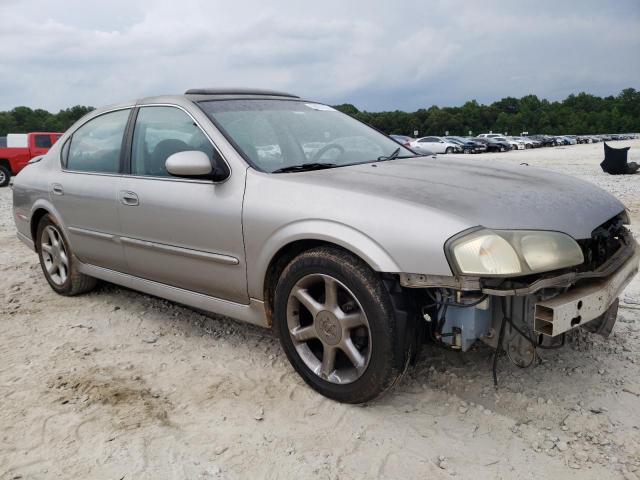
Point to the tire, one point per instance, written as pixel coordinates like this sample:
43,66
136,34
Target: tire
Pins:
448,150
375,337
5,176
58,263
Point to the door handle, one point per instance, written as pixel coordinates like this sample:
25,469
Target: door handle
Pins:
57,189
129,198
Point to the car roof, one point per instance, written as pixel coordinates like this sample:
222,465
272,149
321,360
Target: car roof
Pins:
197,95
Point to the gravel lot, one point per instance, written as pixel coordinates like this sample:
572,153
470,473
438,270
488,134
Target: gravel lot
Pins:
120,385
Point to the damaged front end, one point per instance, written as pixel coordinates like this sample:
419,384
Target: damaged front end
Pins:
523,313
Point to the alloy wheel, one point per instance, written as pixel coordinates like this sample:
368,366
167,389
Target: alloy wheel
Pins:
54,254
329,328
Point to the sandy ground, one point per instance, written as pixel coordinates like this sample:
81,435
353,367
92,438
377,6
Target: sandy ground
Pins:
120,385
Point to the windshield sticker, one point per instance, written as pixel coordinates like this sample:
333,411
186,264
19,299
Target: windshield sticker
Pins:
318,106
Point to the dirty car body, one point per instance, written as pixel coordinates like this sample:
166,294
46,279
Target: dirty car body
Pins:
285,213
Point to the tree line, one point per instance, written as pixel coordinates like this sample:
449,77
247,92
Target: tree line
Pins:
577,114
25,120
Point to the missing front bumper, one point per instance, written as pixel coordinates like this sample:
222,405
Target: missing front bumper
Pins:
583,303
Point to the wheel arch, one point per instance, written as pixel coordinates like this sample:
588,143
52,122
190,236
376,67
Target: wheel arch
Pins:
282,247
40,209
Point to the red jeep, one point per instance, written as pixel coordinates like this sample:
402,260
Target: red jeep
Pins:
16,149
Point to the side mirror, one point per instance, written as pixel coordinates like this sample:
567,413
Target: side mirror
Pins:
190,163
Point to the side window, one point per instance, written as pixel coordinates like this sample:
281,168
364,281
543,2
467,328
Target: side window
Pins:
43,141
159,133
96,146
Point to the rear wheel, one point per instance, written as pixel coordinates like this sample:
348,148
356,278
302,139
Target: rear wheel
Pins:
337,324
5,176
59,265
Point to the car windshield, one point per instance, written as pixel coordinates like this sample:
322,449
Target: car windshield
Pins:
279,134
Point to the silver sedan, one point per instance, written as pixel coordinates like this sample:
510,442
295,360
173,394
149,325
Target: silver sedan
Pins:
286,213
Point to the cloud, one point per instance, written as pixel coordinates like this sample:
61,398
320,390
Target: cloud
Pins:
375,54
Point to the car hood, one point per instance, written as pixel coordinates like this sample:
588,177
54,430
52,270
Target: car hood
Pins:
498,195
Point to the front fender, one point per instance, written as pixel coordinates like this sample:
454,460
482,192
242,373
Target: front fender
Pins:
337,233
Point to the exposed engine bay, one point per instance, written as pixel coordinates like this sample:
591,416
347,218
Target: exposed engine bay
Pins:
521,315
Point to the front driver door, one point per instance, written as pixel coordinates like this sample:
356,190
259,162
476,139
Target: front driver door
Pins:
181,232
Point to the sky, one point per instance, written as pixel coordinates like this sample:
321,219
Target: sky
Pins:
375,54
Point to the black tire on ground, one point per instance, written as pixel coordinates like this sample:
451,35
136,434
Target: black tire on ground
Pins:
449,150
75,282
387,363
5,176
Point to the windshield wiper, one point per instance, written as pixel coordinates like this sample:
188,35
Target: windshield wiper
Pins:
303,167
395,154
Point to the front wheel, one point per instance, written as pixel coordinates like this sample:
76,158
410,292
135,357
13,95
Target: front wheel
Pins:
449,150
59,264
5,176
337,324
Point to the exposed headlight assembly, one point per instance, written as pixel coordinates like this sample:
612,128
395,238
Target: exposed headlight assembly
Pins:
497,253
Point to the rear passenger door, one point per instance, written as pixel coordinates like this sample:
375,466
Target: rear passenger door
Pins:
181,232
85,193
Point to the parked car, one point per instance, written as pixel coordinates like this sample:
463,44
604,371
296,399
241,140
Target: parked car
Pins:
354,254
489,135
528,142
494,145
19,148
564,140
515,144
435,145
546,140
468,145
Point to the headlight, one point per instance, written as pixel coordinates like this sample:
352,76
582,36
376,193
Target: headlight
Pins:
513,252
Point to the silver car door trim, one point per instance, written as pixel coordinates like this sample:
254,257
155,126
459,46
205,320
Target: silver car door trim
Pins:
160,247
100,174
141,177
94,234
185,252
254,312
171,179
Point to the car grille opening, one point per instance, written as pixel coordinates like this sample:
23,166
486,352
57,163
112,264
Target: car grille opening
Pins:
605,241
